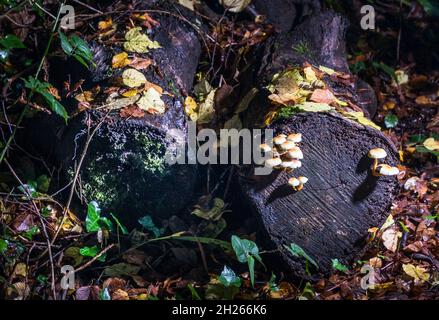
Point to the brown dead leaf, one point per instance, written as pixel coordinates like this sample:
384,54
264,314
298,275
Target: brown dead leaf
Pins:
323,96
132,111
157,88
140,63
120,295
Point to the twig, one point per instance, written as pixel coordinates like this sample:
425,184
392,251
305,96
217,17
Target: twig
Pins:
94,258
88,6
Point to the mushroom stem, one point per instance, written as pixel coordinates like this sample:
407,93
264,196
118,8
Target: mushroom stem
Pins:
374,168
299,187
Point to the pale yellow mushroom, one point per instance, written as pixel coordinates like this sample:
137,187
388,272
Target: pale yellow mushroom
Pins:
375,154
386,170
265,147
295,153
274,162
297,183
278,140
295,137
287,145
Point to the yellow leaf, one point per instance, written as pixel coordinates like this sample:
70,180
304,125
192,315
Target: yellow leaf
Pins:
327,70
310,75
120,60
206,110
138,42
191,107
106,24
130,93
360,118
133,78
152,102
20,270
416,272
431,144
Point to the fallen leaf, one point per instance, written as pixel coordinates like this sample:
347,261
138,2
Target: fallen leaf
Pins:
152,102
105,24
156,87
431,144
322,96
360,118
138,42
120,60
390,239
140,63
235,5
120,295
132,111
133,78
417,273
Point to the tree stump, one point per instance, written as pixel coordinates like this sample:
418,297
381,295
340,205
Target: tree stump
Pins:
331,216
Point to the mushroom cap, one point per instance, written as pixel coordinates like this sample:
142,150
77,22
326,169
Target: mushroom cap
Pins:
293,164
295,153
386,170
273,162
265,147
303,180
295,137
377,153
287,145
278,140
294,182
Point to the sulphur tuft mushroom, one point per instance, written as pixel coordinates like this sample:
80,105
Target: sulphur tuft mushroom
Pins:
295,137
265,147
274,162
386,170
295,153
375,154
278,140
287,145
297,183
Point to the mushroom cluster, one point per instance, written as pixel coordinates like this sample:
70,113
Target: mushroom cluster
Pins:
379,170
286,156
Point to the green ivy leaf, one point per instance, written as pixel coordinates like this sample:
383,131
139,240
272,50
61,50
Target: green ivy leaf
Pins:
93,217
246,252
12,42
92,252
390,121
149,225
120,226
77,48
337,265
229,278
3,245
297,251
104,294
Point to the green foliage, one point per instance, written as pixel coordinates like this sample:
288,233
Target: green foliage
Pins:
247,251
41,88
430,6
3,245
298,252
307,292
390,120
149,225
229,278
33,188
272,283
92,252
104,294
31,232
94,221
194,293
77,48
11,42
337,265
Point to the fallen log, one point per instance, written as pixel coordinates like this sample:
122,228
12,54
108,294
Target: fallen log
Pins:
125,168
330,217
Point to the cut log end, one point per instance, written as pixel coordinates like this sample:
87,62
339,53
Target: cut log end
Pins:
331,216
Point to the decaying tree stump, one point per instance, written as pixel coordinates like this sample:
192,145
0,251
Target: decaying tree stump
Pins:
124,169
331,216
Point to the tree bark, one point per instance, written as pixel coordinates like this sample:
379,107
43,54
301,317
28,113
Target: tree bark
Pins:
331,216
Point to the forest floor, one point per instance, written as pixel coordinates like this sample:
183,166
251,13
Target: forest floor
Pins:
38,235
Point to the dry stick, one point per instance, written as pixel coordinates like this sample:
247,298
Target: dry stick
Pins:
43,226
95,258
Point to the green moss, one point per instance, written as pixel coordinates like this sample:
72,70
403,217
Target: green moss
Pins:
152,153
